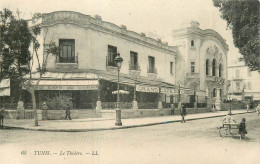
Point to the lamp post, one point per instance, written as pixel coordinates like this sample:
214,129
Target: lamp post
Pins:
118,60
179,92
229,99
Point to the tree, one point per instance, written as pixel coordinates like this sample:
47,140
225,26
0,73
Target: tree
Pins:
49,48
14,48
242,18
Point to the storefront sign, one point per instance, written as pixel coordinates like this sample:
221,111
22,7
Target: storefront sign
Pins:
69,87
170,91
140,88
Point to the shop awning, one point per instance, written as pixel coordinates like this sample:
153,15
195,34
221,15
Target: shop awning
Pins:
64,81
65,84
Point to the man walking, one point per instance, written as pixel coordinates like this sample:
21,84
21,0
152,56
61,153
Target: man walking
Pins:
183,113
67,112
247,107
2,115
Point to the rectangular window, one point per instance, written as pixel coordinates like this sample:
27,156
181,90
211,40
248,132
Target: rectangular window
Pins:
112,53
171,67
133,60
151,68
192,67
67,54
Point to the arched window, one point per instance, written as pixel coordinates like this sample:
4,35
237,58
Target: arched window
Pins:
214,67
192,43
220,70
207,67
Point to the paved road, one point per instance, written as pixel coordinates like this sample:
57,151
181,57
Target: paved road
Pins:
192,142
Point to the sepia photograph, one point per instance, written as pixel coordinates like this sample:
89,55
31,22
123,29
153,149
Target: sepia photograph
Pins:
129,82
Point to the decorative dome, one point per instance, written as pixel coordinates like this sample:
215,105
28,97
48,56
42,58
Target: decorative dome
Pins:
190,23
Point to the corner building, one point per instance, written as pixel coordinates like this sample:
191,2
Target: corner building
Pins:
153,73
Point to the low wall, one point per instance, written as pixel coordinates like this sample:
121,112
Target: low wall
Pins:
12,114
87,113
60,114
51,114
125,113
129,113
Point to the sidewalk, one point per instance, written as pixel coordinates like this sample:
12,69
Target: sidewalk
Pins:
96,124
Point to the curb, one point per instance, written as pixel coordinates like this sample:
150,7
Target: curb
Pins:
115,128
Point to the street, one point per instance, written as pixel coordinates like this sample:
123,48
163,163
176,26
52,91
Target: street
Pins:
195,141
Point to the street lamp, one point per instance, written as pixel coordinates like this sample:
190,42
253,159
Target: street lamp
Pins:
118,60
179,92
229,99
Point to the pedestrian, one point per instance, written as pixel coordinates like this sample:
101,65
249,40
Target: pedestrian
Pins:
67,112
183,113
242,129
2,115
213,108
247,107
257,109
172,109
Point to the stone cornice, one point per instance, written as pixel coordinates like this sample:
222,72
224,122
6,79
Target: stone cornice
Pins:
86,21
202,33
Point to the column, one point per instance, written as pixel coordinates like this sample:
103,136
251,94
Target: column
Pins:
20,110
218,100
99,104
135,105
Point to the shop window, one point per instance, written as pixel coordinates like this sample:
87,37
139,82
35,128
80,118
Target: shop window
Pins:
151,68
207,67
171,67
214,67
133,60
112,53
192,67
67,54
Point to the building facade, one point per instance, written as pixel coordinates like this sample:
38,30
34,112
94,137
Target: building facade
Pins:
85,69
244,84
153,74
202,57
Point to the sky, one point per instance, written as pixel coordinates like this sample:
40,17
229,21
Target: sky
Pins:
148,16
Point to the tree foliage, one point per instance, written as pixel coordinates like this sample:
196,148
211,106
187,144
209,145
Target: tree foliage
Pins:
15,40
242,18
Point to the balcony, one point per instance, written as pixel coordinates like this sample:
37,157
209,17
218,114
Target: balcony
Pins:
215,79
152,70
67,63
152,73
110,63
134,70
111,66
134,67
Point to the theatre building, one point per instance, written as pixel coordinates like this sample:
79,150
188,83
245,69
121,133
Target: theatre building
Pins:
150,75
